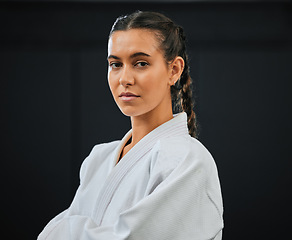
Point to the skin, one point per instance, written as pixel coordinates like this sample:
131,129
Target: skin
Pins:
137,65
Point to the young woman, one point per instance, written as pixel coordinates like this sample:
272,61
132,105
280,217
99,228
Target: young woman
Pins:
158,182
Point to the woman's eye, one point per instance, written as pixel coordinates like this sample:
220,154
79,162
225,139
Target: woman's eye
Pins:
141,64
115,65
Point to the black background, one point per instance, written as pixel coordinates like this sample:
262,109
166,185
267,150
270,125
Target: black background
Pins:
56,104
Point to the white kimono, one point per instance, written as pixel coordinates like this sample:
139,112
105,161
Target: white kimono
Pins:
165,188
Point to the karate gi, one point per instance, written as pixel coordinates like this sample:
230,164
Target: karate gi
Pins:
165,187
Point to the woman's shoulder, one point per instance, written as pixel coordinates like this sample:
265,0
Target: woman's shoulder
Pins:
98,155
179,146
187,150
104,148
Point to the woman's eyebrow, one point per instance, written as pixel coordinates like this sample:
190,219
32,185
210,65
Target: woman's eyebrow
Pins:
112,56
137,54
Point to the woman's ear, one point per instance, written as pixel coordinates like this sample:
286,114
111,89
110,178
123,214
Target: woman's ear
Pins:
176,69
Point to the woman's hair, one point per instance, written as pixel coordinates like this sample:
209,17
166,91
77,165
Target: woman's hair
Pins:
172,41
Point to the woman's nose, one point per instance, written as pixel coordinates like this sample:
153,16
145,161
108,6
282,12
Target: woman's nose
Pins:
126,78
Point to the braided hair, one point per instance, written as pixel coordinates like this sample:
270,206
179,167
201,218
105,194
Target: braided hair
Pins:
172,41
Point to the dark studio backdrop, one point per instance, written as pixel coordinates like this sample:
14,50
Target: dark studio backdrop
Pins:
56,104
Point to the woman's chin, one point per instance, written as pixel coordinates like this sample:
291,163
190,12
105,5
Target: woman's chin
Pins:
130,112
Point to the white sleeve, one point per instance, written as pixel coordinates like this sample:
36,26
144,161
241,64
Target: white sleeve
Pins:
186,205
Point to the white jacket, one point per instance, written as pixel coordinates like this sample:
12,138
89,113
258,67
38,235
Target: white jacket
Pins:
165,188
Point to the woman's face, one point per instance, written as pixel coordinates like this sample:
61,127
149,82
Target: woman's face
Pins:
138,75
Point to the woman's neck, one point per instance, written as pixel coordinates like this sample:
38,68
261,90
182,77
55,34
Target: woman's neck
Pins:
144,124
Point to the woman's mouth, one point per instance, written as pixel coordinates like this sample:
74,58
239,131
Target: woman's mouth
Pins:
128,96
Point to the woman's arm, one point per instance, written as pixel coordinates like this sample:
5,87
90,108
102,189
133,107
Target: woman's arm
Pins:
186,205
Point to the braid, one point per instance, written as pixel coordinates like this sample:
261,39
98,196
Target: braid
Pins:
187,102
183,93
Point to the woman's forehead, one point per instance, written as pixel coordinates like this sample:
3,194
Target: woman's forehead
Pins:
133,40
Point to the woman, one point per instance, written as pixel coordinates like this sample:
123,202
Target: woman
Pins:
158,182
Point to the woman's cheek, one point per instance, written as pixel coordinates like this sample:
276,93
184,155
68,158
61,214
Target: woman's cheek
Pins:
112,83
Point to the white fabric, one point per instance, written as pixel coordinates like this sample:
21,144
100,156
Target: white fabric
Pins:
165,187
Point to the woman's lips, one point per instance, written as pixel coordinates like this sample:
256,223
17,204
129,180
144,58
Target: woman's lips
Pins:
128,96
